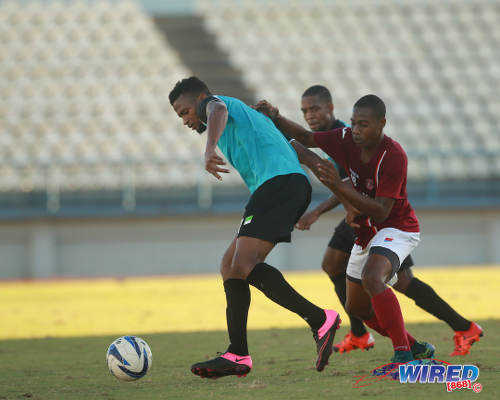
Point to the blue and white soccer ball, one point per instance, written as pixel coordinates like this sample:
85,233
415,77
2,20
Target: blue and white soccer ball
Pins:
129,358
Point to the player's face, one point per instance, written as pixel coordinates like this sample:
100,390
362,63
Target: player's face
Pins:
366,127
317,114
185,107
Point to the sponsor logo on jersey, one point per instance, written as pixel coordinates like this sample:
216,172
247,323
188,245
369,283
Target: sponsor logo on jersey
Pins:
354,177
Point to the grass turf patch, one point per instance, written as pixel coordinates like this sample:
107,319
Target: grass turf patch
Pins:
74,368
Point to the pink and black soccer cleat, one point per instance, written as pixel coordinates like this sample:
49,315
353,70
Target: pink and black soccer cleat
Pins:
324,337
224,365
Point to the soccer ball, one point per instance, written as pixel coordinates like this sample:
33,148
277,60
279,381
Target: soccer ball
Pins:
129,358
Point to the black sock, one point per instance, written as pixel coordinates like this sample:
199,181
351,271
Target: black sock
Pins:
272,283
357,326
426,298
238,302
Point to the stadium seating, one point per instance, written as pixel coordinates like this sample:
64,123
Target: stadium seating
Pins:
84,84
84,99
435,64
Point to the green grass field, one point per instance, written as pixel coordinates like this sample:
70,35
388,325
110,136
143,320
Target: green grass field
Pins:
74,368
55,334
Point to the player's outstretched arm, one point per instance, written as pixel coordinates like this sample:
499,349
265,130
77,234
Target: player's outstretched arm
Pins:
287,127
378,209
216,122
306,156
310,217
312,160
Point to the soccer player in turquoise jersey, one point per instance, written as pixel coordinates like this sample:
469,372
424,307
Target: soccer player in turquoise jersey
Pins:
280,193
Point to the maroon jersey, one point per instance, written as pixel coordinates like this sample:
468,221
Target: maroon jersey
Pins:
383,176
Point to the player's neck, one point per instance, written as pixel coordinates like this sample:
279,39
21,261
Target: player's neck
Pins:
368,151
327,126
332,121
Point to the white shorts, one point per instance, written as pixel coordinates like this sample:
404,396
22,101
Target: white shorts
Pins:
398,242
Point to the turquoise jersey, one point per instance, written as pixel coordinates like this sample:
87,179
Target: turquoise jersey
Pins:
254,146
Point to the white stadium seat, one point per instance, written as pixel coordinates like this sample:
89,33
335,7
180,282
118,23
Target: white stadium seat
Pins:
87,97
81,83
417,55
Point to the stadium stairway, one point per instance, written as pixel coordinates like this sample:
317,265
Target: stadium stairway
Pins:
198,50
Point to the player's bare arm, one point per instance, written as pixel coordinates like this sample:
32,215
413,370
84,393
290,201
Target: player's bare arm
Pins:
306,156
216,122
378,209
312,160
286,126
351,215
330,203
312,216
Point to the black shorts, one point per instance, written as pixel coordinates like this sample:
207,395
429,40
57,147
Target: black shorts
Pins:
343,239
275,207
407,263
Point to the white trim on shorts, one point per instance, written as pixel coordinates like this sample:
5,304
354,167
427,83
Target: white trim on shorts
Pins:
400,242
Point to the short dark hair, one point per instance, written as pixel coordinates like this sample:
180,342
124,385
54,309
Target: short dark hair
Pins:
373,102
321,91
192,85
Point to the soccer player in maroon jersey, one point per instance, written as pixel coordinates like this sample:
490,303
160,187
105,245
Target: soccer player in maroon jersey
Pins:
318,111
386,227
317,108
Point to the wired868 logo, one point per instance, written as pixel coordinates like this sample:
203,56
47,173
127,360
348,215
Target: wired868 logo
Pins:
454,376
426,371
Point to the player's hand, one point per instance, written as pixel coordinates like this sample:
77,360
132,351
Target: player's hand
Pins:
305,222
327,174
267,108
351,215
213,162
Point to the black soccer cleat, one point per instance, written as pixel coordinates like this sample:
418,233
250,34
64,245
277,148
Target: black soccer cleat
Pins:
224,365
324,337
421,350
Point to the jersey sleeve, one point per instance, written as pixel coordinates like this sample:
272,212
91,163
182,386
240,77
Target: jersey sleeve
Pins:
391,176
334,143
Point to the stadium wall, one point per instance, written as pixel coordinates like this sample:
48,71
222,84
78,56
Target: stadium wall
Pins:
192,245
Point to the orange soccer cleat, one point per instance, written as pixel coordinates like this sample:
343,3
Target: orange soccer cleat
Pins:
351,342
465,339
